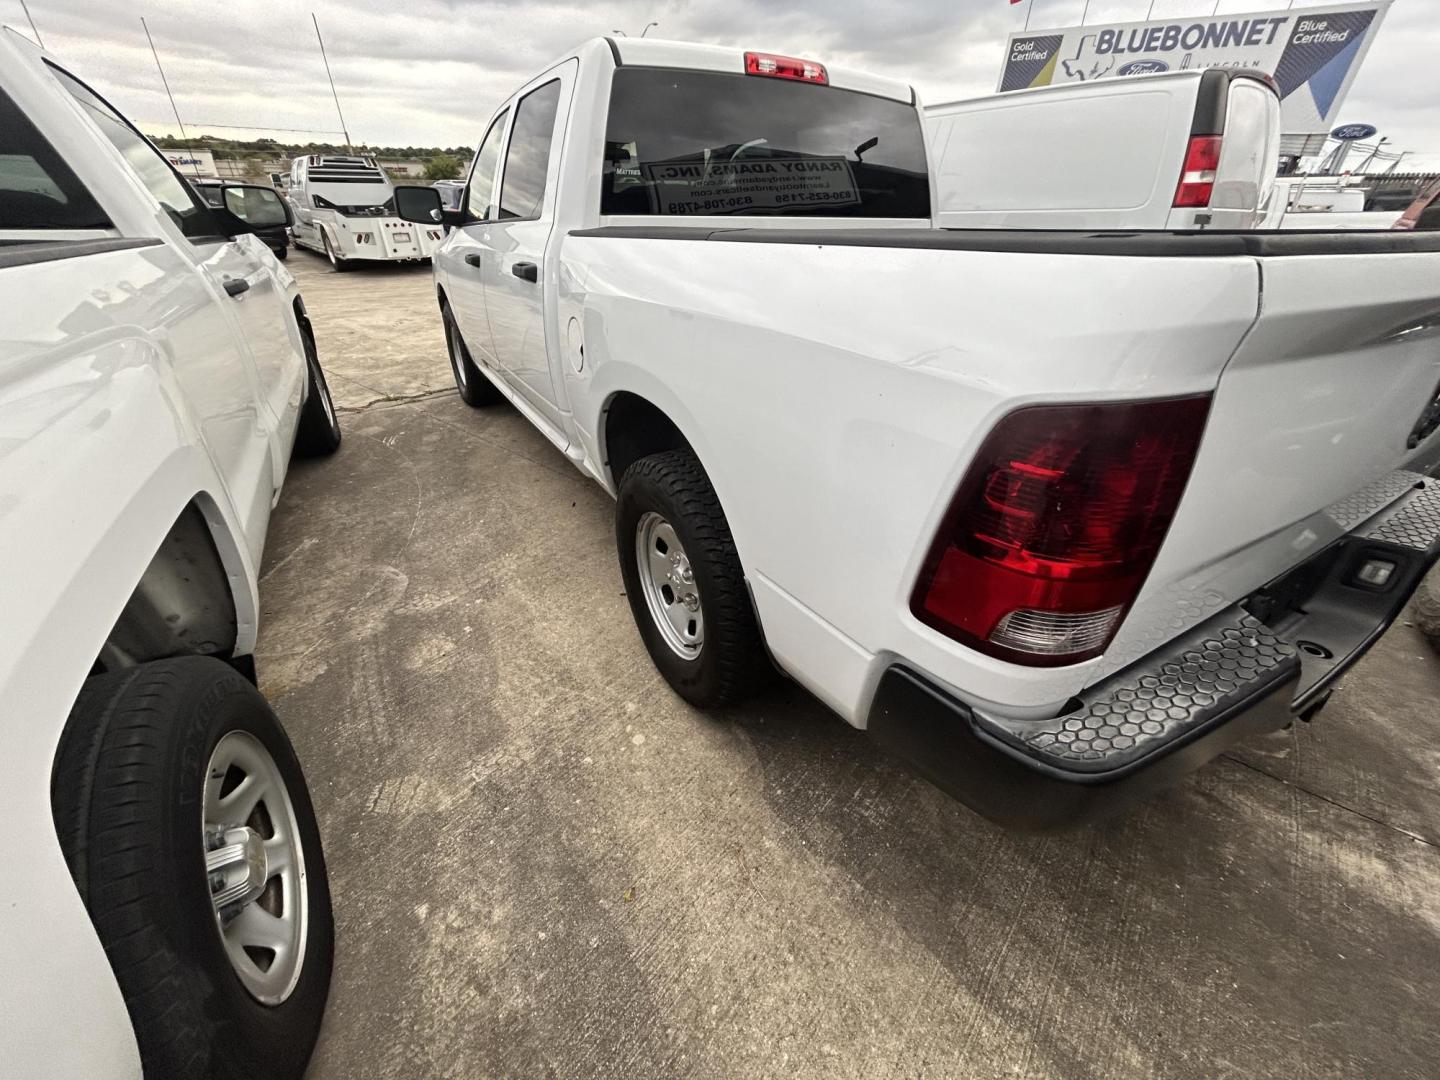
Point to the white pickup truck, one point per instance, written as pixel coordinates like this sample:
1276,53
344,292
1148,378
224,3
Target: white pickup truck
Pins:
1055,515
166,901
1181,150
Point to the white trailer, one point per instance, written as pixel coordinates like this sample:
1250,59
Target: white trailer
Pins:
344,209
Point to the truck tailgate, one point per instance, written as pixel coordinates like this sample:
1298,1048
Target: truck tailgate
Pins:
1310,432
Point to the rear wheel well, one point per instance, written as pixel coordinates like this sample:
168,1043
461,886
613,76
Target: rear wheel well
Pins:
182,604
635,428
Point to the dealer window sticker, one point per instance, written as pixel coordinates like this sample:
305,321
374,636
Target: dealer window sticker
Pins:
730,187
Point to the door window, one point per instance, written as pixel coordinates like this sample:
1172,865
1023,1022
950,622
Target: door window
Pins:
37,188
482,177
164,183
522,191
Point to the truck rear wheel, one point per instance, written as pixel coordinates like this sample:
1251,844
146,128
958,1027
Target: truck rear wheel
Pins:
475,389
186,823
340,265
684,581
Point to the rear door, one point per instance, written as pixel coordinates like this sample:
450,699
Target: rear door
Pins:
515,278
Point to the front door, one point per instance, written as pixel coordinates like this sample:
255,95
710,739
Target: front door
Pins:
463,257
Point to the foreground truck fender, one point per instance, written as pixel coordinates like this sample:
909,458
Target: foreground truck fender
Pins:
169,909
1055,515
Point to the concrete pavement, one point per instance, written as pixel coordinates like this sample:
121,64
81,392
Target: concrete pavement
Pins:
544,864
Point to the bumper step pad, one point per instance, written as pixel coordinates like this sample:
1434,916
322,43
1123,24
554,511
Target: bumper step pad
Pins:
1223,665
1415,526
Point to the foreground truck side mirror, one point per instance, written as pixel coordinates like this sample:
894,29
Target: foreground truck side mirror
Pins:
251,208
421,205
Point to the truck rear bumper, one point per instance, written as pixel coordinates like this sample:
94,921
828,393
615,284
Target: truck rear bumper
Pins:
1249,669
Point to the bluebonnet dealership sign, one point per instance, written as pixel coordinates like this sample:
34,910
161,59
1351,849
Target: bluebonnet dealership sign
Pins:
1312,52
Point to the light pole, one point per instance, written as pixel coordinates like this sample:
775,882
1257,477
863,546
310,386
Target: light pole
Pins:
647,28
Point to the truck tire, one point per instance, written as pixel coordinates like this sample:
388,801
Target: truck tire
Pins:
475,389
684,581
147,781
340,265
318,433
1427,609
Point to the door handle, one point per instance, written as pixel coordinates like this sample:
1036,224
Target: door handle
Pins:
472,260
525,271
235,286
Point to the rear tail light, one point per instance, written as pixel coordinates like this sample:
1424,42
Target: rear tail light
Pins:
785,67
1056,526
1197,181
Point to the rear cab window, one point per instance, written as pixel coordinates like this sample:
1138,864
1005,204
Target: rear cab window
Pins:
700,142
37,189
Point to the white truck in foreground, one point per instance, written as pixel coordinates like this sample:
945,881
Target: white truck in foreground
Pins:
166,900
1055,515
344,209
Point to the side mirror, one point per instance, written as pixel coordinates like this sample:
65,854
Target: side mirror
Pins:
418,204
256,207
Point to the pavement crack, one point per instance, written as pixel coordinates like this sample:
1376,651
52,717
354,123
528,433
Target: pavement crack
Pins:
395,399
1335,803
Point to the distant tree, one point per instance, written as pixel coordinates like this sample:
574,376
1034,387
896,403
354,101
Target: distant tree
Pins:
442,167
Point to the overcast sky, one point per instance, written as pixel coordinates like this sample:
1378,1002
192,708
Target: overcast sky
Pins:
429,72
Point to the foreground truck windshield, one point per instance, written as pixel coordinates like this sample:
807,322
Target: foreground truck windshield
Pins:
705,142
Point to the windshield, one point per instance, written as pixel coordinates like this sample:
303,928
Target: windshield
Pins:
702,142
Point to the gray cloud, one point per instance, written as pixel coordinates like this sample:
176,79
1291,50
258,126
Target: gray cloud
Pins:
429,72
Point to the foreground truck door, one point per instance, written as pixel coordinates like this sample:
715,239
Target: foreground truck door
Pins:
515,277
207,327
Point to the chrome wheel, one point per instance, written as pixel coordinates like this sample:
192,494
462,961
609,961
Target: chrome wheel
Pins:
668,582
255,867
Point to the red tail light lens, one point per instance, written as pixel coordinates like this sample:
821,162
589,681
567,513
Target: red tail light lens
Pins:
1056,526
785,67
1197,181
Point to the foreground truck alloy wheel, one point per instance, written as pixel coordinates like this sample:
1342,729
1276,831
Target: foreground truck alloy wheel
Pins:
684,581
186,821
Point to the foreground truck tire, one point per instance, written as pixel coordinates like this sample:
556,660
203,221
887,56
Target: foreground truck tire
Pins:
185,819
684,581
318,434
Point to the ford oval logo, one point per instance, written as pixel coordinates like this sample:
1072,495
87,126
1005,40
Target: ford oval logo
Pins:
1351,132
1144,67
